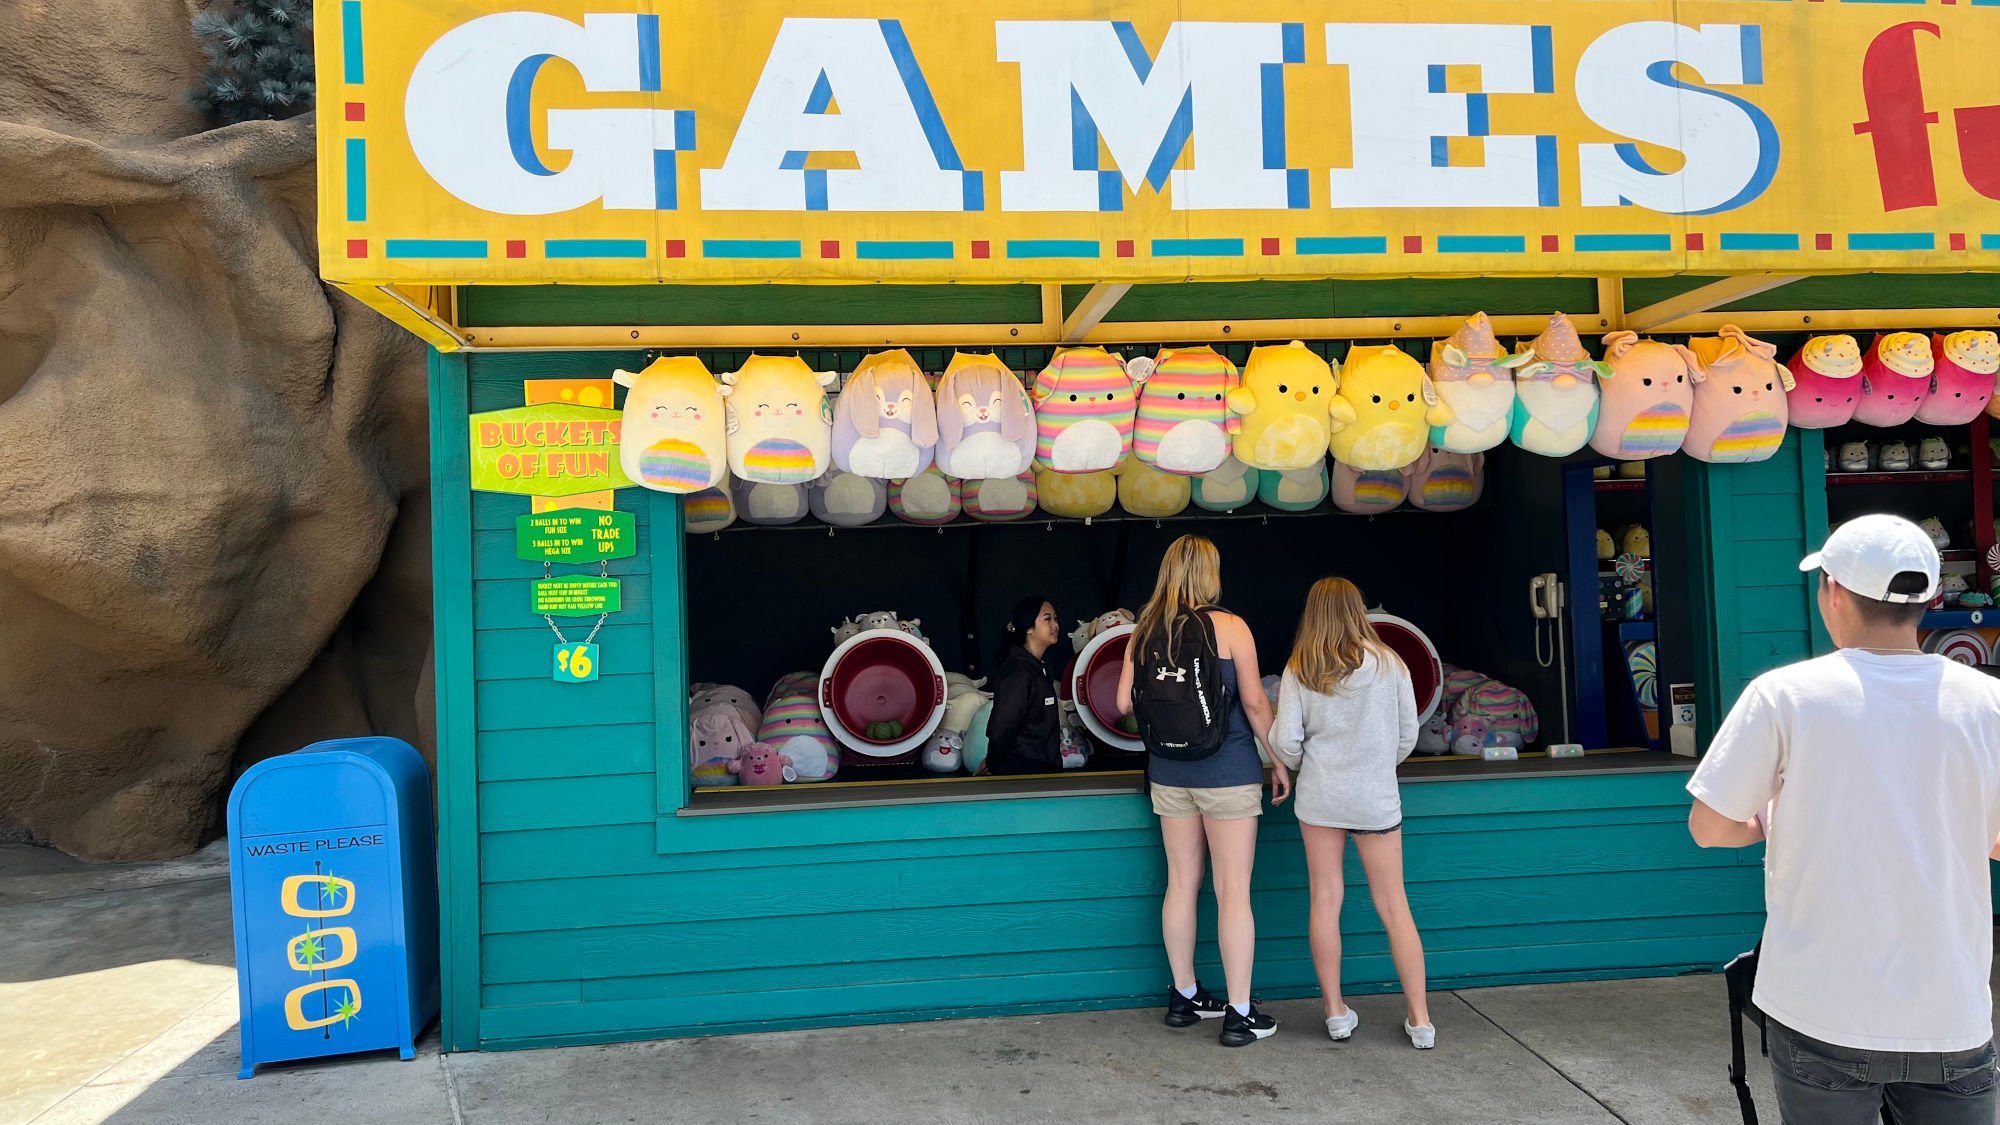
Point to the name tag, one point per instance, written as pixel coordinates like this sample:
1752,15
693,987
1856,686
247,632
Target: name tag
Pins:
1049,702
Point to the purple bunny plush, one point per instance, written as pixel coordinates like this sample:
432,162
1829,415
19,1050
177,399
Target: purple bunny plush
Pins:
885,421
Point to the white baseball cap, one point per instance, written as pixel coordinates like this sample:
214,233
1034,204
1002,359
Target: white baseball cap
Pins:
1867,552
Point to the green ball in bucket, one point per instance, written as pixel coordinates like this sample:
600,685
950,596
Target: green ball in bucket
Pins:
884,730
1129,724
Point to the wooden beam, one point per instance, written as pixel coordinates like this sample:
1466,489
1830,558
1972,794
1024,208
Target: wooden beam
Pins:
1611,303
1837,320
424,310
1701,300
1091,310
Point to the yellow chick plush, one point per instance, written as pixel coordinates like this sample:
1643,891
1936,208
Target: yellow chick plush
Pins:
1288,406
1146,491
1076,496
1393,406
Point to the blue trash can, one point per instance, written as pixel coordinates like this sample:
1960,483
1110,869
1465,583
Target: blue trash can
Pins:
333,877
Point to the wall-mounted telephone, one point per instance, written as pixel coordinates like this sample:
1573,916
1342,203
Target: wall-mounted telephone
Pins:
1545,596
1545,600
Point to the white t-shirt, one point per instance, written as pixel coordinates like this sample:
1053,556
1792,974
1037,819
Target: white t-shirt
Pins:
1879,932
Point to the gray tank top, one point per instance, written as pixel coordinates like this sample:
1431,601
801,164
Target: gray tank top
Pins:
1235,762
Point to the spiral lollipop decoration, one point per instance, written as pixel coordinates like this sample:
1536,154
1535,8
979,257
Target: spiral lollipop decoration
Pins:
1643,661
1966,646
1630,567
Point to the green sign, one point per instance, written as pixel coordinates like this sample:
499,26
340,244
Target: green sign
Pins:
553,449
576,535
576,595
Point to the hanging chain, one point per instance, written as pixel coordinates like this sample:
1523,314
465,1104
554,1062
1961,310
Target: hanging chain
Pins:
603,571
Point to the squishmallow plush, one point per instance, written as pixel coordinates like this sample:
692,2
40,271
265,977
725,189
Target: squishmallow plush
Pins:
1739,405
1293,490
1368,492
928,498
944,751
1075,495
709,695
1963,365
1087,631
976,743
1288,408
1506,711
1184,424
793,724
1895,376
1934,527
711,509
1555,393
1933,454
717,736
1442,481
885,420
1606,549
1646,391
780,422
674,436
963,696
1085,407
1146,491
1434,736
997,500
771,505
1394,407
1826,382
1228,487
762,764
1475,380
845,499
986,429
1892,457
1853,457
848,627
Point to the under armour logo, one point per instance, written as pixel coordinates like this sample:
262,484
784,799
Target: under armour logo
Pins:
1179,674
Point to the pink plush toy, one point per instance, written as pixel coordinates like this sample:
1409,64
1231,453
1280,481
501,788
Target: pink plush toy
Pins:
1184,423
1367,492
1470,734
761,764
1085,406
986,430
1442,481
1826,382
1965,363
1646,391
1739,405
885,421
1895,376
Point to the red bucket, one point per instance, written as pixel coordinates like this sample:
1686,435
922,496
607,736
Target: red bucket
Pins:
1419,656
1093,685
882,675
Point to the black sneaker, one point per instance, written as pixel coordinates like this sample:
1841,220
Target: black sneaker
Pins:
1183,1012
1241,1031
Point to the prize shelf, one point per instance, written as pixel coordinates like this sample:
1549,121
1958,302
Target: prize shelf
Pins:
1909,476
1620,484
1961,618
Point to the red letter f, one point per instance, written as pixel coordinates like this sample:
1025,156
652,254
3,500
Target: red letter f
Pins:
1896,118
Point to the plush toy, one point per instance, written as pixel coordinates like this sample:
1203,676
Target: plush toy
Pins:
986,429
880,619
1826,382
1739,404
1934,527
770,505
1853,457
1606,549
780,422
711,509
1294,490
1146,491
1074,746
1555,393
1184,424
1368,492
848,627
703,696
1394,407
1076,495
717,736
1895,377
1932,452
1288,408
845,499
1474,378
793,723
1634,539
1085,405
674,437
1232,485
944,751
911,628
975,739
1963,365
763,764
1506,711
929,498
1646,389
885,420
1087,631
1469,734
1893,457
1441,481
1952,587
999,500
1434,736
963,697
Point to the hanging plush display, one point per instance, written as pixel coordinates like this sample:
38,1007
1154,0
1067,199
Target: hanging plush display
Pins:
1895,376
1555,393
885,420
1076,495
1962,366
770,505
1184,424
1231,485
1826,382
928,498
1368,492
674,435
986,429
711,509
1293,490
1443,481
780,422
1646,391
1146,491
999,501
1085,406
1288,408
1474,377
1394,408
845,499
1739,404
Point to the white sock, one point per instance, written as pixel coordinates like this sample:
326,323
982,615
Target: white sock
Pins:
1188,992
1242,1010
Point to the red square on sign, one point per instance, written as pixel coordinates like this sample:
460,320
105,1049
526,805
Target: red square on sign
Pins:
1957,240
1413,244
1551,243
1270,248
357,248
982,248
1694,240
829,248
357,111
1124,247
517,248
677,248
1822,242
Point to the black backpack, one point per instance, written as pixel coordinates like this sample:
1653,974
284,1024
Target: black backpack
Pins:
1179,696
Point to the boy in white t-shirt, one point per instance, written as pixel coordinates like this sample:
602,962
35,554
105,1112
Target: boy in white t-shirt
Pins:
1874,774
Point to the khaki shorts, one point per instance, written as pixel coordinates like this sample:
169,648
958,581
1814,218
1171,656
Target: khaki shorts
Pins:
1231,802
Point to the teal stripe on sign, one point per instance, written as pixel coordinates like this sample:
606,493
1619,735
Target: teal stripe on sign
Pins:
434,248
1051,248
1482,244
594,247
1990,241
1197,248
1342,245
1897,241
1744,240
749,247
357,180
1602,243
350,42
902,249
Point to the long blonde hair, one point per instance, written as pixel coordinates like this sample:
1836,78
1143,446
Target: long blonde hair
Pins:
1334,637
1190,579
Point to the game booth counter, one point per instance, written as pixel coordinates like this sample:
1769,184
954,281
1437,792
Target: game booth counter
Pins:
779,347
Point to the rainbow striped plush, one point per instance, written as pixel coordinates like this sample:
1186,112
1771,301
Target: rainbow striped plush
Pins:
1655,431
1188,388
675,466
1448,488
1084,412
1752,437
707,510
792,712
779,461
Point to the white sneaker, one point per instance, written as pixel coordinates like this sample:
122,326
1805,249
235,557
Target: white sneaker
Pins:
1422,1038
1341,1026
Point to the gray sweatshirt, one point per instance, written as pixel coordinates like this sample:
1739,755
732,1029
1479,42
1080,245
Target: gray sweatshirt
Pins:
1345,746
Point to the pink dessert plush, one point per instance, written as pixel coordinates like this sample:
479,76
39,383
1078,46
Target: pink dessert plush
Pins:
1895,376
1963,364
1826,382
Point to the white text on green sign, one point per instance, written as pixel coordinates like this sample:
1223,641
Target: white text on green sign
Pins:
575,535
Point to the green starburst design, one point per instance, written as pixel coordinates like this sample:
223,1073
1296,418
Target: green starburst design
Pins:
312,949
330,891
347,1009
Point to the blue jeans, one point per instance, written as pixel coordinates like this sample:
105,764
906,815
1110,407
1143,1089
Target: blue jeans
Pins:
1824,1084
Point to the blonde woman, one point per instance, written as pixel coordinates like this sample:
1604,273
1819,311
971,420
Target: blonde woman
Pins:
1346,717
1191,678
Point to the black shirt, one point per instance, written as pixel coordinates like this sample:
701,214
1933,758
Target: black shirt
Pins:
1023,733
